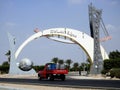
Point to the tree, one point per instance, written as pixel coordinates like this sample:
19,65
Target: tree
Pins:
114,54
55,60
4,68
89,61
38,68
75,66
61,61
112,63
85,67
88,64
68,62
5,63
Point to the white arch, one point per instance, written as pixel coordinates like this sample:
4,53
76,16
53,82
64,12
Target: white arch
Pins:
78,37
34,36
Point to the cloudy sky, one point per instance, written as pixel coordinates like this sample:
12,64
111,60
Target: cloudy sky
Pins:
21,17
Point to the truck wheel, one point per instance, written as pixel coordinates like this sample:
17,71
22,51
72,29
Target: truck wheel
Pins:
39,77
63,77
52,77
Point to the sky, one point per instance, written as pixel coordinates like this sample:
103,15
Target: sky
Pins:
21,17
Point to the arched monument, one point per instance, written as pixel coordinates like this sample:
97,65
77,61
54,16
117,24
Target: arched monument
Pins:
65,35
90,44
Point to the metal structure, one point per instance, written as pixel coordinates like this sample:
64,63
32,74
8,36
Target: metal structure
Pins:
94,19
95,22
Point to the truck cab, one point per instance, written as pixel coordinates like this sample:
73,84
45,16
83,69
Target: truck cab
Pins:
53,71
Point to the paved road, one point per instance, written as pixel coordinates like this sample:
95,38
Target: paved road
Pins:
88,83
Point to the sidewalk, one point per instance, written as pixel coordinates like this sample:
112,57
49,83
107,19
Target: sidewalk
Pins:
75,75
69,76
91,77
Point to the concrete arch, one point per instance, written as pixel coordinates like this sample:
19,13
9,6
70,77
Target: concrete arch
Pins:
70,36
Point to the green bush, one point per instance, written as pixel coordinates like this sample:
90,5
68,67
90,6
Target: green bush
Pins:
118,74
115,72
104,72
112,73
111,63
38,68
4,69
107,64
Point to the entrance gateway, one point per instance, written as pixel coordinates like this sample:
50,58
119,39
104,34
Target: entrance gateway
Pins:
66,35
90,44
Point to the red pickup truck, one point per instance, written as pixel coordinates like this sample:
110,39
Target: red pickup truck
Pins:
53,71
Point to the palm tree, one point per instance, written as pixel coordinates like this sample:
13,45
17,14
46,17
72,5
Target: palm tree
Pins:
55,60
75,66
68,62
88,64
61,61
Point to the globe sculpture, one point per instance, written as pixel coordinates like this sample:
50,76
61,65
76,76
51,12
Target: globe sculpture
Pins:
25,64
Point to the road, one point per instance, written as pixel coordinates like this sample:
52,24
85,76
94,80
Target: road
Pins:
83,83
